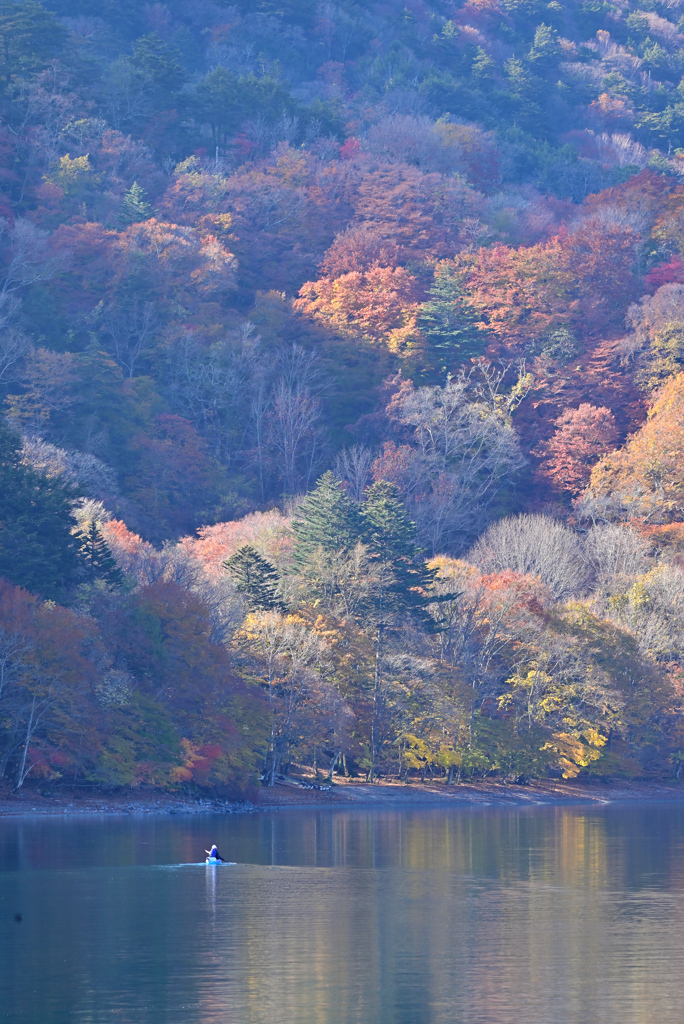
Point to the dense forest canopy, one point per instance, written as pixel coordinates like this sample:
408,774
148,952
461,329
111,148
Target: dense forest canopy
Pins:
342,371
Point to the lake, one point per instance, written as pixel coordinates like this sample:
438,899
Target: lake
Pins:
434,916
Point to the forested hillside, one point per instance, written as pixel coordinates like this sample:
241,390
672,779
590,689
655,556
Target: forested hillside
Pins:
342,371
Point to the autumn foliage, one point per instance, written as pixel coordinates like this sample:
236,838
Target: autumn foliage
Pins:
378,305
646,477
315,293
582,437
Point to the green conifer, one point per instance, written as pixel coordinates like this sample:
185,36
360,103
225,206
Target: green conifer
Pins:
159,67
96,558
327,519
391,536
447,320
134,206
483,67
255,578
37,549
390,532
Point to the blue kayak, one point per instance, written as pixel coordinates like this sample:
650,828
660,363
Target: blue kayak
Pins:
215,860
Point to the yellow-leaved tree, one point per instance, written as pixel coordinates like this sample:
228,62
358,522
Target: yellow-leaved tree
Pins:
645,479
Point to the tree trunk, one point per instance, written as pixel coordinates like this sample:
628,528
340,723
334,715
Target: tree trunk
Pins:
23,771
274,767
377,693
333,765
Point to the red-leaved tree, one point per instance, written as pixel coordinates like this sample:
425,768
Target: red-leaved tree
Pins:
582,437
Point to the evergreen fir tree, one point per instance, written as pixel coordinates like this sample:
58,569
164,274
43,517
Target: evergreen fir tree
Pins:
448,322
97,559
255,579
390,532
391,536
134,206
159,67
328,519
37,548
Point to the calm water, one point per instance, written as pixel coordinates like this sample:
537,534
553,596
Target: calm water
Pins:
347,917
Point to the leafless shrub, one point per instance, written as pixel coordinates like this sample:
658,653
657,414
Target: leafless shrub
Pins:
653,610
650,315
88,474
30,257
87,511
14,345
534,545
403,138
615,553
621,150
354,467
464,450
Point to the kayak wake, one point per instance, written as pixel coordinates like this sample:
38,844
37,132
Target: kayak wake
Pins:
201,864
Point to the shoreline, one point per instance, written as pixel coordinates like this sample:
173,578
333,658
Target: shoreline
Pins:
347,795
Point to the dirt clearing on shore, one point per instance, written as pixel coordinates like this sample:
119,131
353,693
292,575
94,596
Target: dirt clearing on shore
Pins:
349,794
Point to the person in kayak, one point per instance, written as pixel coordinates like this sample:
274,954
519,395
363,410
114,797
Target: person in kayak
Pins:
213,853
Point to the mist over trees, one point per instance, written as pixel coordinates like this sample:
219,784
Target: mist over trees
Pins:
341,371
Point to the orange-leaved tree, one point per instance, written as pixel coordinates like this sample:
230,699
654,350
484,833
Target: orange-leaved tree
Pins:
379,306
521,294
267,532
645,479
582,278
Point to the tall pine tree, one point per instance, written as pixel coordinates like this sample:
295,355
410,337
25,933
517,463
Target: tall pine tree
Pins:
37,548
255,579
134,206
391,536
448,321
327,519
97,559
